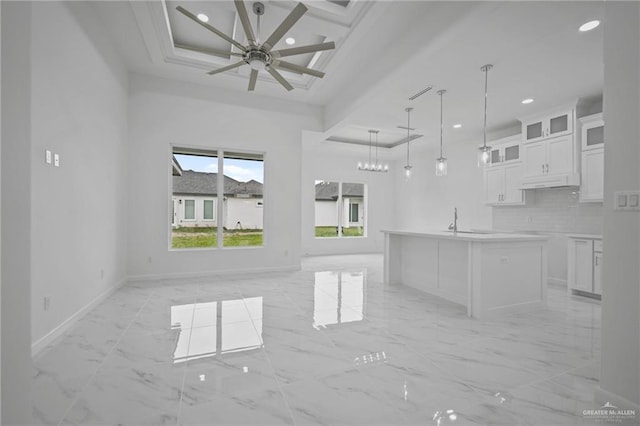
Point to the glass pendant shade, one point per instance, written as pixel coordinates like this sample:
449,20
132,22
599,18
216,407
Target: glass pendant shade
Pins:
484,152
484,156
441,166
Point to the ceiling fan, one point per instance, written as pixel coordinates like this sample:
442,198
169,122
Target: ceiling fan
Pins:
259,56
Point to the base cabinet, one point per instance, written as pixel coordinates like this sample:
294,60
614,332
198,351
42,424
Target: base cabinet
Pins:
584,269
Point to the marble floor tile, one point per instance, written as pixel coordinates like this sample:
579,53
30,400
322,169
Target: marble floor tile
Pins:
329,344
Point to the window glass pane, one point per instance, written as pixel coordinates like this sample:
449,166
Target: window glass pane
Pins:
189,209
326,209
243,199
495,156
208,210
534,130
512,153
559,124
595,135
352,207
194,179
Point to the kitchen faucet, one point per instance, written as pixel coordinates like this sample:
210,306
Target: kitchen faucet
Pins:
454,226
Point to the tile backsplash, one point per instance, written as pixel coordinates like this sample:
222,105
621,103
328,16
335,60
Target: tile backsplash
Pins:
553,210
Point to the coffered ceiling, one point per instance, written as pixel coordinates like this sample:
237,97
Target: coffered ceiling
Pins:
386,51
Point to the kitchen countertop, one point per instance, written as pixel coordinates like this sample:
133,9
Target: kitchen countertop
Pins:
586,236
469,236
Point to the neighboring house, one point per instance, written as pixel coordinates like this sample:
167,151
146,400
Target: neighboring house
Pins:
327,206
195,201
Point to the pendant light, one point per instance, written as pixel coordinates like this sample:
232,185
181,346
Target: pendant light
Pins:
441,162
484,152
408,167
373,166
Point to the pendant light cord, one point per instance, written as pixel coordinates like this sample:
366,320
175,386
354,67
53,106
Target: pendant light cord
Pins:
441,92
408,132
486,69
370,131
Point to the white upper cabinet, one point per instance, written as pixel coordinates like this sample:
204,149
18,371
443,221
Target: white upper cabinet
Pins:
549,151
502,179
592,159
548,125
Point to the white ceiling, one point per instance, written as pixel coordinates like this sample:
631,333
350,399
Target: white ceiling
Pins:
386,52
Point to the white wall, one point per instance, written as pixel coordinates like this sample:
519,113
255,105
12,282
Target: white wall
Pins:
15,225
427,202
326,213
327,162
620,373
245,211
78,212
164,112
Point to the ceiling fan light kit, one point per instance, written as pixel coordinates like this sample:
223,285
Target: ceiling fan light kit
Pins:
261,57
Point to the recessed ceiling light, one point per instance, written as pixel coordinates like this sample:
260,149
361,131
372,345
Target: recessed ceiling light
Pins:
457,126
290,41
527,101
588,26
203,17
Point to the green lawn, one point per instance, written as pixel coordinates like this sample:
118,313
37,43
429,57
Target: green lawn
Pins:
208,237
330,231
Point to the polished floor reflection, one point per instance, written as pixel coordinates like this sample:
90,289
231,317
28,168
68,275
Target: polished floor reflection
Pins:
326,345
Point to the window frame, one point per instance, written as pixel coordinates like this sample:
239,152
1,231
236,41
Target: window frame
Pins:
213,210
219,154
184,210
340,210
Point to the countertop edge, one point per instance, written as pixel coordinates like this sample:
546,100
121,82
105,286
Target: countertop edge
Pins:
480,237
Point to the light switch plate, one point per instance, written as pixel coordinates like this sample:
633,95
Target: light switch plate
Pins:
626,201
47,156
56,160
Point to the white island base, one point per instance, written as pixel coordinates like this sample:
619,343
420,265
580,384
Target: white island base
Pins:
490,274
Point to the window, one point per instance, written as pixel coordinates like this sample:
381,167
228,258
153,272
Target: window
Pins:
208,212
243,199
339,209
189,209
198,177
353,213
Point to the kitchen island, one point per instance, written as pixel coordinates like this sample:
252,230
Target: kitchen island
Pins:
488,273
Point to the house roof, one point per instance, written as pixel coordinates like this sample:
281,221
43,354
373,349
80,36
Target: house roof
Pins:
328,191
200,183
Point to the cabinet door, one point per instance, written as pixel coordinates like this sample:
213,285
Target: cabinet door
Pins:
559,155
511,193
583,265
535,159
593,135
534,131
597,273
494,184
560,124
592,175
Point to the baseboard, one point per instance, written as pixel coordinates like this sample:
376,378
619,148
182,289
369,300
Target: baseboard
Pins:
210,274
603,396
40,344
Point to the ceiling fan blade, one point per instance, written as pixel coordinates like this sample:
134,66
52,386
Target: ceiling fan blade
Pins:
252,80
298,68
244,19
227,68
207,50
209,27
280,78
303,49
285,26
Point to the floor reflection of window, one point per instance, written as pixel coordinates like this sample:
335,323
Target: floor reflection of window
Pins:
339,297
214,328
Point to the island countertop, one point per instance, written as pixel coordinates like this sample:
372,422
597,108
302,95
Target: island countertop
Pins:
469,235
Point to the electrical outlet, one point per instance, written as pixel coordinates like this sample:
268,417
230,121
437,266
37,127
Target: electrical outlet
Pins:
47,156
626,201
56,160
